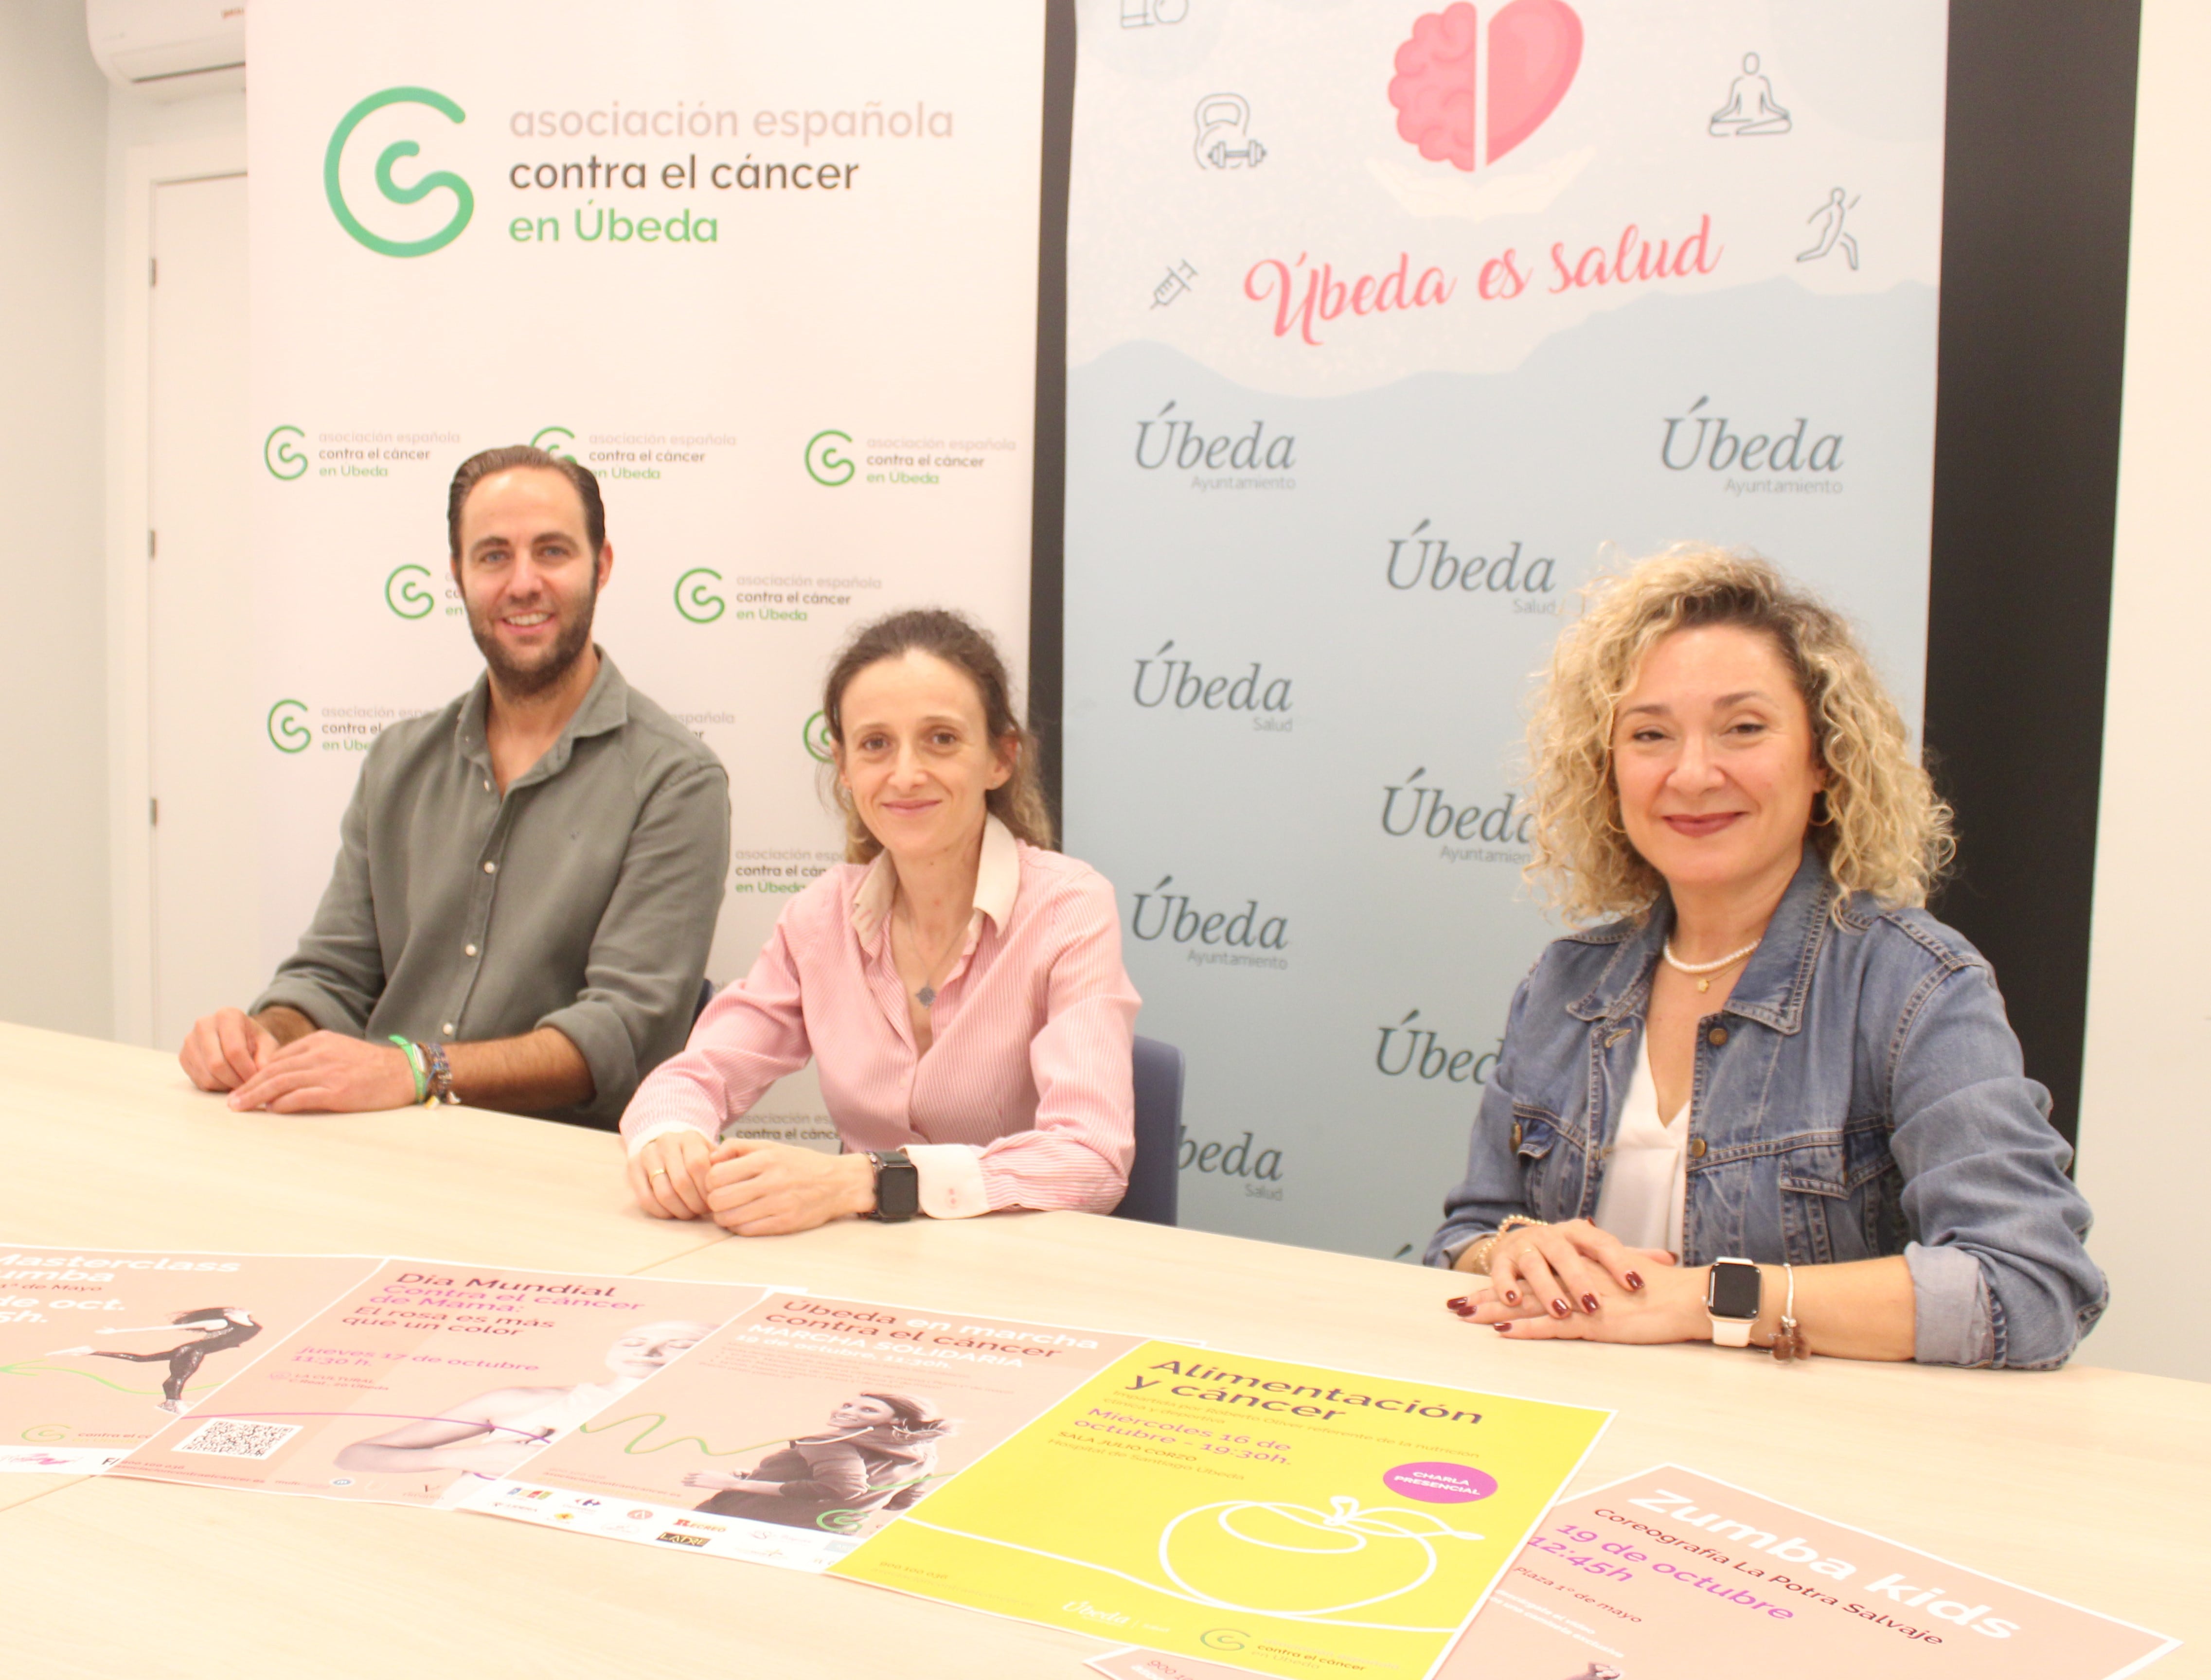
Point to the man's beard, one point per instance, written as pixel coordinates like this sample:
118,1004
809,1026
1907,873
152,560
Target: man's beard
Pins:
524,682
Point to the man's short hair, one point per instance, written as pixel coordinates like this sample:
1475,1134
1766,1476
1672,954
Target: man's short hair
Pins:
485,463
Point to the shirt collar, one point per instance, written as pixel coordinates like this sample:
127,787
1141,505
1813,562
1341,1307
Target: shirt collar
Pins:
605,706
997,880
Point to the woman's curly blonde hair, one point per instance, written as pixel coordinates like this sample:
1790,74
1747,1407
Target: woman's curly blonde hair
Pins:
1886,833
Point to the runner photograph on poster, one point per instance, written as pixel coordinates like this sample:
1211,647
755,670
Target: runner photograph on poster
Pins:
99,1348
430,1378
802,1428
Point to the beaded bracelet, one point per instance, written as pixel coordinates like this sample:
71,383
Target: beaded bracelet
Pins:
441,1077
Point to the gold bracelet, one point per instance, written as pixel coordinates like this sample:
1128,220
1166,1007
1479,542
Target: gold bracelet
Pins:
1483,1248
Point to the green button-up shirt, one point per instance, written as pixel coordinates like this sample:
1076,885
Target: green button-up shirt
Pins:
582,899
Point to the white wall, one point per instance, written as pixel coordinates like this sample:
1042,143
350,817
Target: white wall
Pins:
54,966
2145,1104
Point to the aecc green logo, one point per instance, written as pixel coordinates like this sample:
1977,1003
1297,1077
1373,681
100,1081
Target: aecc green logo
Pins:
465,203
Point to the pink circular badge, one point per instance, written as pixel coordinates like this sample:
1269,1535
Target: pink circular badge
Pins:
1440,1484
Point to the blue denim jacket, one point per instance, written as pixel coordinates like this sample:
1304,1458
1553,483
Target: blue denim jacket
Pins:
1860,1093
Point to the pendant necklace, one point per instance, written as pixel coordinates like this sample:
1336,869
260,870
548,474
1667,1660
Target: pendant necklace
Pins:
1704,971
927,994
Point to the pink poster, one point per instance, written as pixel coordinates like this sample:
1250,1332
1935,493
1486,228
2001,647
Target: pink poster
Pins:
805,1426
1672,1575
101,1347
430,1376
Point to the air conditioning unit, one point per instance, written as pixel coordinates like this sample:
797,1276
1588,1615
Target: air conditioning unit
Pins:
167,45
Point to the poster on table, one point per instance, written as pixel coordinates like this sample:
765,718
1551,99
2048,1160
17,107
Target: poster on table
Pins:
101,1347
1673,1575
1337,1522
769,270
802,1429
1390,322
430,1378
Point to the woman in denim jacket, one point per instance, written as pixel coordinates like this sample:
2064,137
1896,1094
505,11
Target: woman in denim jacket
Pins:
1771,1053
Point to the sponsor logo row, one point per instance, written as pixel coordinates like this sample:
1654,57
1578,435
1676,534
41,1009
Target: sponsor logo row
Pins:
831,458
1702,438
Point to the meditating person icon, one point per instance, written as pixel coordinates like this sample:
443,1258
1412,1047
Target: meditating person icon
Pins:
1751,108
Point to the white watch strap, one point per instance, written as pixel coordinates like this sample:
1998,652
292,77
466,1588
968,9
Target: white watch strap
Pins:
1734,1331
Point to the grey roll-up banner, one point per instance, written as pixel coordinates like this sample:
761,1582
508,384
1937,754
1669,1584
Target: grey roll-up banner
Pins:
1389,326
769,269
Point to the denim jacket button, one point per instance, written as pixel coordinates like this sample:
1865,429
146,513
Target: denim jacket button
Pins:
1716,1037
1696,1149
1516,1134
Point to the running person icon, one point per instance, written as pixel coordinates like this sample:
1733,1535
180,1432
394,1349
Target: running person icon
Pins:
1832,235
218,1327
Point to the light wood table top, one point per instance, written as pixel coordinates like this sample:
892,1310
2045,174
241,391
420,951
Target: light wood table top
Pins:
111,1145
2085,1483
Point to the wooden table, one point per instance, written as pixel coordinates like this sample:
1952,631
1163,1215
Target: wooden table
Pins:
2083,1483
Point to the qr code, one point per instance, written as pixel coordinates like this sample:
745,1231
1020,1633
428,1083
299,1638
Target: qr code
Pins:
227,1438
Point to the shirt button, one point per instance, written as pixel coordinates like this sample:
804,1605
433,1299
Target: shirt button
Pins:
449,1033
468,950
486,787
490,868
1516,1134
1716,1037
1696,1149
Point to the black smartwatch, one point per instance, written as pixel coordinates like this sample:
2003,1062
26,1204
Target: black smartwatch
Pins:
898,1186
1733,1291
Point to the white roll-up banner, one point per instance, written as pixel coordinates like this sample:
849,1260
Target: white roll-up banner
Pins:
768,269
1389,325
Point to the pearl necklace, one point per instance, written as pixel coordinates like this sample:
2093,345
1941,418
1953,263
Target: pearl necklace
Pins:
1706,969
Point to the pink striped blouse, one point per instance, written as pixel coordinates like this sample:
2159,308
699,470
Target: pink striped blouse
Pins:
1024,1097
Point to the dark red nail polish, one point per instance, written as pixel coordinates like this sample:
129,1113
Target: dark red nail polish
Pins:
1588,1303
1560,1309
1502,1325
1456,1303
1635,1280
1512,1297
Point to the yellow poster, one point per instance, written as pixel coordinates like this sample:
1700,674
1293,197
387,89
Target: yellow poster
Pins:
1287,1518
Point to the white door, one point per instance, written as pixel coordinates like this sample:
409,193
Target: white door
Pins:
201,727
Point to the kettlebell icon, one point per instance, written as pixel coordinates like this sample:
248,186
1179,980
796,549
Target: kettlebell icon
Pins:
1223,119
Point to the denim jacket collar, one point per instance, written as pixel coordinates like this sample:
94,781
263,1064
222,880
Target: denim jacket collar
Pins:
1774,982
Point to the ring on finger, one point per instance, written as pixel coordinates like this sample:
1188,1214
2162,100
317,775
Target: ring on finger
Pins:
658,1172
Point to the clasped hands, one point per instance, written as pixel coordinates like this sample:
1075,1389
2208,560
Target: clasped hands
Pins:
321,1073
752,1188
1574,1282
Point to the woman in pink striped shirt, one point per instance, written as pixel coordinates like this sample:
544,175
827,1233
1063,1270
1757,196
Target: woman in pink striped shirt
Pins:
958,982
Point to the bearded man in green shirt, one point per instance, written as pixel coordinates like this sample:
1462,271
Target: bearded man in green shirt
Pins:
527,879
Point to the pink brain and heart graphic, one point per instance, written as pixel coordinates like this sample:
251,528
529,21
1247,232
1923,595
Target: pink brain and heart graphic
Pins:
1533,48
